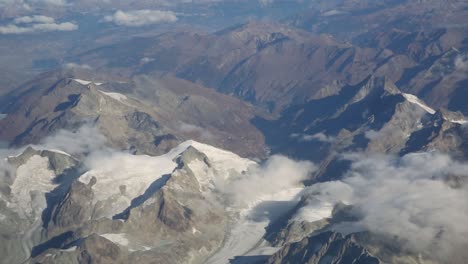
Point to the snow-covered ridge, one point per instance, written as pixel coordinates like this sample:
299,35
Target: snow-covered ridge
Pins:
86,82
458,121
121,177
117,96
26,184
415,100
119,239
137,173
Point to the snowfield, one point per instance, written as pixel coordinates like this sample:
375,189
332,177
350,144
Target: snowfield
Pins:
415,100
117,96
253,198
85,82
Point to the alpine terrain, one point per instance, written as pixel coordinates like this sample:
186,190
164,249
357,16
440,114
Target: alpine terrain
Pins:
234,131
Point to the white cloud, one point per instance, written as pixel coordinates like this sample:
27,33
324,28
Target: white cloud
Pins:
49,2
321,137
46,27
86,139
266,2
33,24
72,65
195,130
277,174
141,17
33,19
410,198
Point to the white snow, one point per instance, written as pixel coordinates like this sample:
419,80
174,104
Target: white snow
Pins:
2,116
117,96
120,239
33,180
263,251
71,249
60,152
137,173
459,121
86,82
220,158
247,233
195,231
415,100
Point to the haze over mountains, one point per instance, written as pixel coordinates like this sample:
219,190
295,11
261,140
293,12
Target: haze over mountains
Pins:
233,131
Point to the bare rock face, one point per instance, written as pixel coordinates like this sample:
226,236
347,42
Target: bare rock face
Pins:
75,209
180,213
93,249
327,247
96,249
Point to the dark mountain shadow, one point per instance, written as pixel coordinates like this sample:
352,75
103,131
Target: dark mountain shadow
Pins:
55,242
150,191
330,116
54,197
459,98
249,260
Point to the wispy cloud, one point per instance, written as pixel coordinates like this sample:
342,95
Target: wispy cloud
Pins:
421,199
72,65
321,137
277,174
141,17
32,24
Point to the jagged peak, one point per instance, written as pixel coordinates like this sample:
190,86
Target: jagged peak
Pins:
190,154
378,85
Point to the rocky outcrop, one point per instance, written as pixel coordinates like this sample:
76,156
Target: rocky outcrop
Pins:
327,247
74,210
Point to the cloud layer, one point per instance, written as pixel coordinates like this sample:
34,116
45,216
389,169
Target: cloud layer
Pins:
422,199
277,174
32,24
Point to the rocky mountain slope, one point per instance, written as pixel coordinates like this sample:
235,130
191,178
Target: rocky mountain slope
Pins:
143,115
119,208
168,148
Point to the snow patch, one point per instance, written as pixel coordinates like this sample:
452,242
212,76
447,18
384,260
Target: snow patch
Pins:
2,116
195,231
60,152
117,96
33,180
263,251
415,100
122,177
247,233
120,239
458,121
85,82
71,249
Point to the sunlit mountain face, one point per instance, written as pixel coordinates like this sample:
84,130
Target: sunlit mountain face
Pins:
233,131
